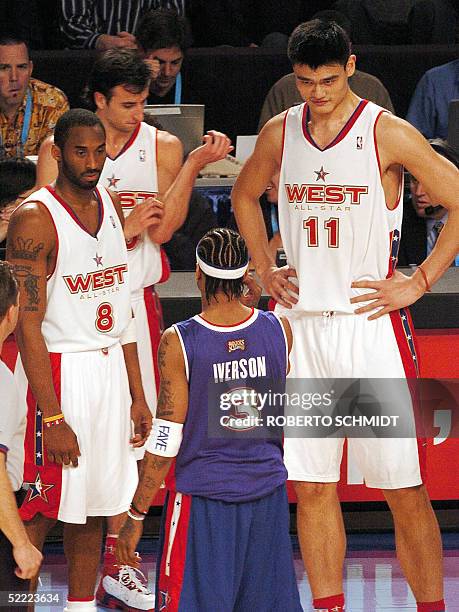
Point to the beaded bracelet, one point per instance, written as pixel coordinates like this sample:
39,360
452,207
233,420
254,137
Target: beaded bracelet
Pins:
53,421
134,517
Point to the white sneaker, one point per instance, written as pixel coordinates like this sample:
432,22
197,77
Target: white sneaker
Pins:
125,588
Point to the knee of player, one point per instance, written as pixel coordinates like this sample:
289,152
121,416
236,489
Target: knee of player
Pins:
408,499
315,493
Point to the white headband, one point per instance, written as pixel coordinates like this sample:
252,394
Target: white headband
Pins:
217,272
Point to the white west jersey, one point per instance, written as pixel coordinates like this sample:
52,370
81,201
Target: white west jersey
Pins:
88,293
335,225
133,175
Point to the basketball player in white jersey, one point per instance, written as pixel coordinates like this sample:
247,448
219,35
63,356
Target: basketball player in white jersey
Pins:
142,162
340,160
77,348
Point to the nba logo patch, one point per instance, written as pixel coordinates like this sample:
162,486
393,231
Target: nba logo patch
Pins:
236,345
113,221
142,155
359,142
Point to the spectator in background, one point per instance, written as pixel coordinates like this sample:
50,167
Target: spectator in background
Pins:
181,248
388,22
163,38
17,179
105,24
284,93
29,108
428,110
423,220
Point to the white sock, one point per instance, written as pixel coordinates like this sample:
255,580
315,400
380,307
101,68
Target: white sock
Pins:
81,606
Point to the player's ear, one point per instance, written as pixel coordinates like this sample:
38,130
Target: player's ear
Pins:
350,66
56,152
100,100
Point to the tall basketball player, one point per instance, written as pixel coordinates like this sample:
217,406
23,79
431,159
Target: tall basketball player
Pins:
142,162
341,161
77,349
227,512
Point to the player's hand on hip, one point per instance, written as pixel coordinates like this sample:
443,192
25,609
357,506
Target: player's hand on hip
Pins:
276,282
144,215
28,560
61,445
390,294
252,292
128,539
142,418
216,146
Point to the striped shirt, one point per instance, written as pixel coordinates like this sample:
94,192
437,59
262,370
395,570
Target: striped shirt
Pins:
82,21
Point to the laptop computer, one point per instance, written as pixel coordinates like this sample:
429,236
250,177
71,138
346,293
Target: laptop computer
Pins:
186,121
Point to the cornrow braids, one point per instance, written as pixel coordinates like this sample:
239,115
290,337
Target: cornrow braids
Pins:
224,248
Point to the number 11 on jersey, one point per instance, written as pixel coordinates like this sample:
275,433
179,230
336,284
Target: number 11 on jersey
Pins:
331,226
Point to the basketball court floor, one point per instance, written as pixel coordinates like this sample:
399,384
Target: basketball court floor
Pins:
373,579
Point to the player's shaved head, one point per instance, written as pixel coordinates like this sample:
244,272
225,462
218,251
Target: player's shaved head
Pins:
318,43
76,117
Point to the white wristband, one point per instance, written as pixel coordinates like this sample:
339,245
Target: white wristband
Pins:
129,334
165,438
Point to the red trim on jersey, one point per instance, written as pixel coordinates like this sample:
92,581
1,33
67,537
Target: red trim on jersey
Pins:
155,325
400,190
49,475
170,586
165,267
400,181
411,368
127,144
341,134
56,234
228,326
72,213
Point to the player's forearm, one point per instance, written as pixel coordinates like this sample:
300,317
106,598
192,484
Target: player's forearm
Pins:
176,203
153,470
10,521
445,250
131,359
37,366
251,225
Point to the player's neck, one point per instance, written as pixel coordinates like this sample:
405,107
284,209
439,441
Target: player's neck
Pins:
115,139
73,195
224,312
339,114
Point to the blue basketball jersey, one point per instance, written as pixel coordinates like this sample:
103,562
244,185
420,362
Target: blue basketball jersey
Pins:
239,467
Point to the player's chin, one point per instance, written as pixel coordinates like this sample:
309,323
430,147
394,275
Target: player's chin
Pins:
89,183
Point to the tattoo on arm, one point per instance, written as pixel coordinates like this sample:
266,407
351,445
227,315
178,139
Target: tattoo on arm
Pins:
25,248
165,401
29,283
162,352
